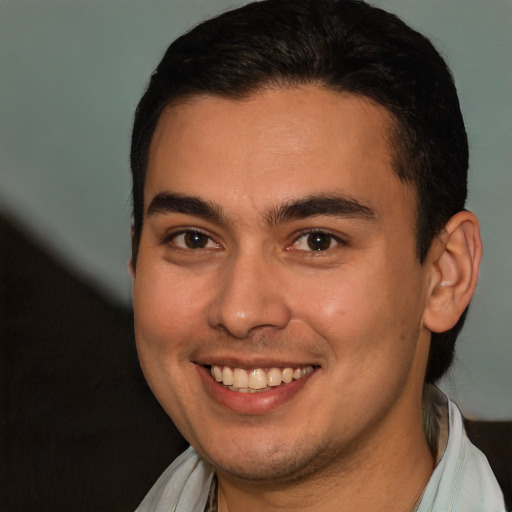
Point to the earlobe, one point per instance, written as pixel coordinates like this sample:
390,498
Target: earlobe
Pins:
455,261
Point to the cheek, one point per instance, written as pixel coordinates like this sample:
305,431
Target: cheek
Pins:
167,308
164,325
364,310
342,301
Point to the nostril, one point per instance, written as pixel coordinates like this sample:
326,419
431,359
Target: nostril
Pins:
241,318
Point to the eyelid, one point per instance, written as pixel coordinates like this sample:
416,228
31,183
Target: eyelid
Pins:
176,232
339,239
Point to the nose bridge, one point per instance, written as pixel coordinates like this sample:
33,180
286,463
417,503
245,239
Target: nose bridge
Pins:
249,295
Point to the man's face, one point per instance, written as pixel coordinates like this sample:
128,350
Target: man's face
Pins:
276,237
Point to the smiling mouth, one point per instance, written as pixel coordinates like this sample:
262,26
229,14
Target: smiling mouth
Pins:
257,380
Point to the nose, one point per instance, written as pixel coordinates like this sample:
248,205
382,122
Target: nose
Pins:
250,295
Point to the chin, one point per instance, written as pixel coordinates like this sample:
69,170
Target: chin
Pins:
267,461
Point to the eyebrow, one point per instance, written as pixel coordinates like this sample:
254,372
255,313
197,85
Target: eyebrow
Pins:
189,205
332,205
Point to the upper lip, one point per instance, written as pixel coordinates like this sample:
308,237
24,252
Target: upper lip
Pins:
254,362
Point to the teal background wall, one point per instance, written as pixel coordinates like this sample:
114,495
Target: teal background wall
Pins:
71,74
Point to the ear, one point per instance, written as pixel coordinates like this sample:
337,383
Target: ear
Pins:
131,268
454,258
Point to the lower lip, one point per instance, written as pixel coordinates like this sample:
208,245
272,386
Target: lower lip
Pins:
251,403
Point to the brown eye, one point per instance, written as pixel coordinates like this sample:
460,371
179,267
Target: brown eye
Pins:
319,241
316,241
193,240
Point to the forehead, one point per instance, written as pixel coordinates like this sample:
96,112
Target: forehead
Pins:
272,146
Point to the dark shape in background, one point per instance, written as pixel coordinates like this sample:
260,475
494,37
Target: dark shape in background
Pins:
80,430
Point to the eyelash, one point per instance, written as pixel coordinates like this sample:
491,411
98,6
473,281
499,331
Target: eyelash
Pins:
170,238
331,236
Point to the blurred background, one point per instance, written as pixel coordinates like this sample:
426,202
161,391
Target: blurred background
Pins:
80,430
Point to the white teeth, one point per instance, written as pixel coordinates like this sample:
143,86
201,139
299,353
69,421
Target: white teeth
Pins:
274,377
240,378
217,374
257,379
227,376
287,375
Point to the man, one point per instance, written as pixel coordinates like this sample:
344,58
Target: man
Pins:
302,264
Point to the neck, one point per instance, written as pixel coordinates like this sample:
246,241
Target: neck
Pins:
388,471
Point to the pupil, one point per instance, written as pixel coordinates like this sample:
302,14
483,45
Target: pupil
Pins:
195,240
319,242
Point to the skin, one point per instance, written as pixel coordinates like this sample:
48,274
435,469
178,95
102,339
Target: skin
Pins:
256,295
